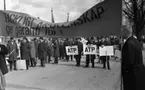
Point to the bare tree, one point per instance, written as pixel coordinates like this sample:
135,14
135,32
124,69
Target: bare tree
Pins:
134,11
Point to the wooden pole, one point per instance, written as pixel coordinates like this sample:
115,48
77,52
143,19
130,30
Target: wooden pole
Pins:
4,5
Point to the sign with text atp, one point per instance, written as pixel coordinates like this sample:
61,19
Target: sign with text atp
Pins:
90,49
71,50
106,50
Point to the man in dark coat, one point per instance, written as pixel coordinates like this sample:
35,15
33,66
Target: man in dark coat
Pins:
45,53
133,70
80,50
66,43
36,48
49,50
25,51
3,66
105,59
98,45
61,49
71,44
42,51
56,50
90,57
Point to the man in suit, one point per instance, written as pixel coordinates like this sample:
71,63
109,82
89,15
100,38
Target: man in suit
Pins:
80,50
3,66
25,51
36,48
13,53
66,43
49,50
90,57
56,50
42,51
133,71
105,59
61,49
71,44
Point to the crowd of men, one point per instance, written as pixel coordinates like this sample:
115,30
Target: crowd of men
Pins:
44,49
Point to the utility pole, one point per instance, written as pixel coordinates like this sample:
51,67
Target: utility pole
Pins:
4,5
68,17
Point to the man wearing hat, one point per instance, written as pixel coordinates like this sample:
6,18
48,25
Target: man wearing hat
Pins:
41,51
25,51
90,57
12,53
80,50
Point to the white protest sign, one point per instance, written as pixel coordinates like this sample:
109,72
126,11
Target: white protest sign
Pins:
90,49
106,51
71,50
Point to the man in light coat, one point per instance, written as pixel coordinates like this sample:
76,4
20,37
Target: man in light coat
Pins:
12,53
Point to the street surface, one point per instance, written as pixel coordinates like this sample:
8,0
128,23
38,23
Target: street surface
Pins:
65,76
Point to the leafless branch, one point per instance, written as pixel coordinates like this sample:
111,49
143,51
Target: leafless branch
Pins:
128,14
128,6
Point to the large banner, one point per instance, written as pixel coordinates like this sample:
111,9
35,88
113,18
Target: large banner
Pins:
102,19
20,24
90,49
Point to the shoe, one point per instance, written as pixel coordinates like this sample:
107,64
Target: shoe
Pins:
77,65
86,67
93,67
104,68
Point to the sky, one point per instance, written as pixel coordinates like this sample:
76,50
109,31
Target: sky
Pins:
42,8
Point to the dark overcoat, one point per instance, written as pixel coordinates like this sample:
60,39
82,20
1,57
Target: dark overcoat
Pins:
66,43
80,49
56,49
133,70
91,56
12,50
25,50
42,50
49,48
3,65
36,48
61,48
33,50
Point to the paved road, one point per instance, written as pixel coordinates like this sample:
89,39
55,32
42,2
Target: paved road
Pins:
65,76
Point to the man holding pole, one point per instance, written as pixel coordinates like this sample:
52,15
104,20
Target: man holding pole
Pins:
12,53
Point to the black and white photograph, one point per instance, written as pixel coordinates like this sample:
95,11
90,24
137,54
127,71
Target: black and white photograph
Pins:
72,44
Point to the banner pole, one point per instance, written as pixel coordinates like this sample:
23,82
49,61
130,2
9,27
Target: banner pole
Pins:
121,82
